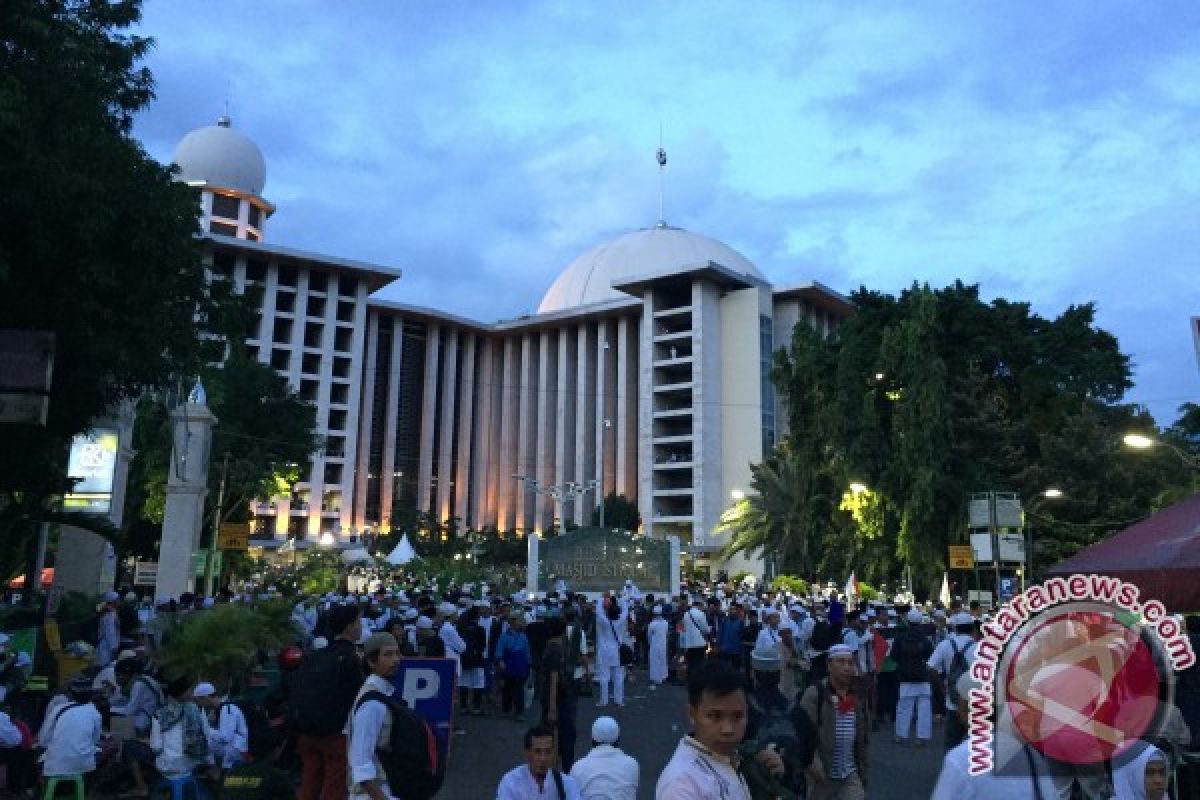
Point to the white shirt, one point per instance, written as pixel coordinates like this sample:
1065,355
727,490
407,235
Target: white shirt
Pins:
231,737
696,773
364,728
767,638
71,741
695,628
10,735
519,784
606,773
943,657
955,783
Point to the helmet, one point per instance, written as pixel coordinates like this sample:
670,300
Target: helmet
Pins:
289,658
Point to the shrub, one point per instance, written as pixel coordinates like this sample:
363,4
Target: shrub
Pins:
790,583
221,644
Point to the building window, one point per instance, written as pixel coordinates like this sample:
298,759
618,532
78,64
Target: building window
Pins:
311,364
308,390
345,311
285,302
280,360
339,393
337,421
254,215
333,474
766,357
283,331
335,446
342,339
318,281
225,206
316,306
256,270
313,333
223,264
341,367
287,275
222,228
347,285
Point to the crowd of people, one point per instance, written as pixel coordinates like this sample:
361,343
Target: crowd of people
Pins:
783,696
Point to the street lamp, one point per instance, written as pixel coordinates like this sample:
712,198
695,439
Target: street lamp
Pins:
1052,493
1140,441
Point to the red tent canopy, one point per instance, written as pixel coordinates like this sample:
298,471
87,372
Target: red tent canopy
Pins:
1160,555
47,579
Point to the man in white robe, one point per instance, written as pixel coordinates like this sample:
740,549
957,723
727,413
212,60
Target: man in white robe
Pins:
656,638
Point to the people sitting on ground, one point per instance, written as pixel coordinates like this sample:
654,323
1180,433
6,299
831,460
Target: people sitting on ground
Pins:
537,778
180,733
227,724
606,772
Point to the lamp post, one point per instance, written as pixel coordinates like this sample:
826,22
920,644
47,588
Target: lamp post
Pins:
1051,493
1140,441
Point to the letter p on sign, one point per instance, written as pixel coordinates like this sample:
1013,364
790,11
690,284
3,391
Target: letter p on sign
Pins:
420,684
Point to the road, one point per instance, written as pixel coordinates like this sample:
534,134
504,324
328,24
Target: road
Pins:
651,724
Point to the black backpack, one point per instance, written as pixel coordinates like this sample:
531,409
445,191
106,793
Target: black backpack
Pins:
411,759
822,635
910,653
807,728
313,707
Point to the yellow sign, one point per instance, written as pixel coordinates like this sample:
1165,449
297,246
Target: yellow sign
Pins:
234,536
961,557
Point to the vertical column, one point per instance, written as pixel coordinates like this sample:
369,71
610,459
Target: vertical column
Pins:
544,455
509,441
625,423
585,416
364,424
428,410
564,423
445,472
387,473
599,434
466,408
482,510
525,433
645,432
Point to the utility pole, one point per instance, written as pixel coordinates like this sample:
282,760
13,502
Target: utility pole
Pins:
605,425
994,532
209,571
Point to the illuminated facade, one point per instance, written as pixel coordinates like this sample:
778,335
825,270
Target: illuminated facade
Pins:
644,372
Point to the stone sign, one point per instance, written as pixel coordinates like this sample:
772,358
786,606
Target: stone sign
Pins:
597,559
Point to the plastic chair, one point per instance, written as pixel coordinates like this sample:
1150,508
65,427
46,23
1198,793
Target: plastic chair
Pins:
178,787
53,781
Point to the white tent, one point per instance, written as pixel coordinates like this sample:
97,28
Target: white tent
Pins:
402,553
356,556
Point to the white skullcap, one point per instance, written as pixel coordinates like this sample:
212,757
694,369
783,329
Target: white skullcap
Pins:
962,618
448,608
320,643
131,597
410,613
605,730
841,650
111,597
656,611
482,604
204,690
914,617
424,624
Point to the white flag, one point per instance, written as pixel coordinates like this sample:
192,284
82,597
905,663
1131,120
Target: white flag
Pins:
944,596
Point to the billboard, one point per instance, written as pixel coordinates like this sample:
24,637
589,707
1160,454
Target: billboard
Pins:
92,464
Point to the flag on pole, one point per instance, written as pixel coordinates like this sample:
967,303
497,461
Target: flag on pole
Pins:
852,589
944,595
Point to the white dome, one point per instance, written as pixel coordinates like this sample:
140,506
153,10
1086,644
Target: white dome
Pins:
223,158
589,278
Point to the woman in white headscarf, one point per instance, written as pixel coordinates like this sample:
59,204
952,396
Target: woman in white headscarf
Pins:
1143,776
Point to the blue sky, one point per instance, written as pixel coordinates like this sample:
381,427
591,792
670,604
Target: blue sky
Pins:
1045,150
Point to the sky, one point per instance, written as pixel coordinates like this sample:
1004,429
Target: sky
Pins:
1046,151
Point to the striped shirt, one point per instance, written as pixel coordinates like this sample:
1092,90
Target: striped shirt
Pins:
843,745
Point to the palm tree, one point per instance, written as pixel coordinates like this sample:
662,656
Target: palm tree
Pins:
775,515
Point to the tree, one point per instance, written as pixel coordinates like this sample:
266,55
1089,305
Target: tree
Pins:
619,512
925,397
97,241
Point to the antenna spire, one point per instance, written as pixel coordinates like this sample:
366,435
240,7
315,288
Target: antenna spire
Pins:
661,155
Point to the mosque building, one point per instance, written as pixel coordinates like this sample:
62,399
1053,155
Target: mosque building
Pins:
644,372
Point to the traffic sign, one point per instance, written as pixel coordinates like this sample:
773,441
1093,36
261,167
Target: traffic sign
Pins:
234,536
961,556
145,573
1007,588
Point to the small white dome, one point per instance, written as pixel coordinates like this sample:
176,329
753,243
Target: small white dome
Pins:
223,158
589,278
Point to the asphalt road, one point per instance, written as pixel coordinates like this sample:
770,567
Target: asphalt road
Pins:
651,724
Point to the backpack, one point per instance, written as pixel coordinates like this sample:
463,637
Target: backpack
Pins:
822,636
806,728
958,666
909,653
313,708
410,758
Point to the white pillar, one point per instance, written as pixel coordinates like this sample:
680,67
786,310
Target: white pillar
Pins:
532,541
187,486
466,402
428,411
445,471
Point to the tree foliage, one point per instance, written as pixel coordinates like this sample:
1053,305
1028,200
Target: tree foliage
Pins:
97,241
928,396
619,512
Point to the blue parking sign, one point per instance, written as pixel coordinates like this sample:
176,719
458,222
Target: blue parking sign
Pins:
1007,588
427,686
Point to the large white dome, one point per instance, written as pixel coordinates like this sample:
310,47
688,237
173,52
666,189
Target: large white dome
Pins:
223,158
589,278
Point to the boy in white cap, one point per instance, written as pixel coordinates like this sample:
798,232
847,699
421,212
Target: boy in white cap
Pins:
229,735
606,772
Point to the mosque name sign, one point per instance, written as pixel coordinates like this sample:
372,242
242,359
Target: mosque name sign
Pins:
596,560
